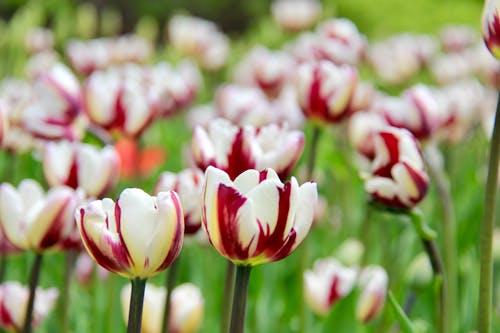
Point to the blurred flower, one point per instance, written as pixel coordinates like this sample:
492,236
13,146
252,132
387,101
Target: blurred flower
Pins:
305,47
137,162
266,69
373,281
399,58
325,91
327,283
187,184
256,219
456,38
448,68
14,301
101,53
491,26
296,15
34,220
115,100
4,121
236,149
39,63
84,269
242,105
398,177
361,129
364,96
200,39
340,41
80,165
54,111
38,40
350,252
186,308
113,237
419,273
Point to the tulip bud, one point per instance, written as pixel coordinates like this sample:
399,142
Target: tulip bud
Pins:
80,165
136,237
373,281
187,184
361,130
350,252
295,15
325,91
186,308
14,301
398,176
419,272
34,220
256,219
491,26
327,283
236,149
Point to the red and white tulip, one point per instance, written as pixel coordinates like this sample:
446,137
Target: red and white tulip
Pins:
187,184
325,91
136,237
491,26
35,220
327,283
256,218
296,15
80,165
14,301
398,177
373,281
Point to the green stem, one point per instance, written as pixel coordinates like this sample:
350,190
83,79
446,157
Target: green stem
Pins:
228,296
33,283
449,228
443,317
240,299
136,303
486,239
64,302
304,247
401,316
364,233
3,266
169,284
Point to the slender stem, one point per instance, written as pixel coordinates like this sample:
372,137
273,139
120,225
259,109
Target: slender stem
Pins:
401,316
169,284
486,239
228,296
313,152
3,266
64,303
364,232
304,247
240,299
136,303
33,282
443,318
449,227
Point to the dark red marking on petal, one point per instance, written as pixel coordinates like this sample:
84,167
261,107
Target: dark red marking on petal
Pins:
391,141
54,233
334,294
176,246
240,157
118,216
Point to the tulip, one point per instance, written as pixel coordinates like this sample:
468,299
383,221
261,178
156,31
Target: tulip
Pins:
419,272
350,252
325,91
236,149
361,130
327,283
269,70
33,220
256,219
373,281
80,165
491,27
398,177
54,112
187,184
187,309
136,237
38,40
14,300
116,101
457,38
4,121
200,39
340,42
295,15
